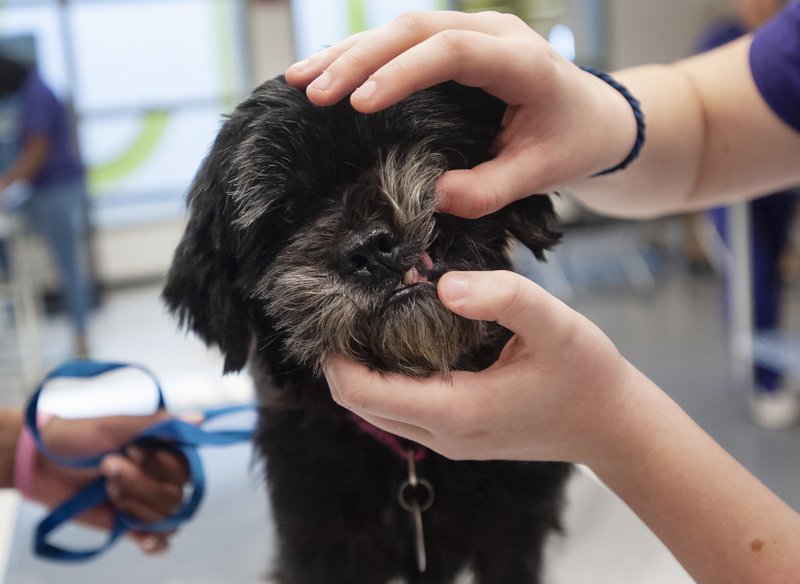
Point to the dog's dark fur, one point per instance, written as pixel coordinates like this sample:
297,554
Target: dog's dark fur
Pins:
312,233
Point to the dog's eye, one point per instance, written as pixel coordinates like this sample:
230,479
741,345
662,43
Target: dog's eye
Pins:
290,211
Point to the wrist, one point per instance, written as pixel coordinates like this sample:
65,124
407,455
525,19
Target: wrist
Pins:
638,117
617,120
29,461
10,429
627,426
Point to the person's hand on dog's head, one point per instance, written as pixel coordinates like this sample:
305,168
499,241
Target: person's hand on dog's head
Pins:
554,393
562,124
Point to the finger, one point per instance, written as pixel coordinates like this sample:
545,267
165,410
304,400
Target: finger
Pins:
507,298
151,543
475,192
115,431
475,59
401,429
397,397
304,72
134,492
161,464
101,517
380,46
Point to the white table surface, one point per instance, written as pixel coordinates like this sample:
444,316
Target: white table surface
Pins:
9,501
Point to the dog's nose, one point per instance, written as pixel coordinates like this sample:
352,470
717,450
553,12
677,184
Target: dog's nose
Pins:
371,254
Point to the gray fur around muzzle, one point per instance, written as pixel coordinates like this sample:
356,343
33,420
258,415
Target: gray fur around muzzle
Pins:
360,280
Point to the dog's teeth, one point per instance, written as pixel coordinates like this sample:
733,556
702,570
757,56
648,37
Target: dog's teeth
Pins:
413,276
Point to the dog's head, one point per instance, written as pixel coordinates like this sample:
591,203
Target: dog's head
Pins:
313,231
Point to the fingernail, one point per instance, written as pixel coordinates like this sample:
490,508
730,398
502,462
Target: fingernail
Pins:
366,92
150,544
453,287
110,468
323,82
300,65
195,418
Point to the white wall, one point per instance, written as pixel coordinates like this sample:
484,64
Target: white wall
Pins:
144,252
270,37
657,31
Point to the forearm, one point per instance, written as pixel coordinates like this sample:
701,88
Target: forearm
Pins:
28,163
719,521
711,139
10,427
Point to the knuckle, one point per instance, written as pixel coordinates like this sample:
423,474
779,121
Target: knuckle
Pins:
485,201
401,69
173,495
352,398
410,22
452,42
516,299
480,205
509,20
354,58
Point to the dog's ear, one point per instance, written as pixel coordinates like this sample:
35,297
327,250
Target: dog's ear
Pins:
201,284
474,104
533,222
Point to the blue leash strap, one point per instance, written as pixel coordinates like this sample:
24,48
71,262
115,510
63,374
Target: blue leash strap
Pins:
172,434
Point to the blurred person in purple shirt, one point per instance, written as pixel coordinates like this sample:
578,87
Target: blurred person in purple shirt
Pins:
773,403
45,157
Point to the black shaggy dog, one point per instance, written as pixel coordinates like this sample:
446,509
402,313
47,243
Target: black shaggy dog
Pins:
313,232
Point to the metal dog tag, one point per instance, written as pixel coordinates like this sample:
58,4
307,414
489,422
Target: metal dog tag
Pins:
415,496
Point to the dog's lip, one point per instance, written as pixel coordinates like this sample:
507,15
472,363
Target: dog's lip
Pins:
418,274
425,273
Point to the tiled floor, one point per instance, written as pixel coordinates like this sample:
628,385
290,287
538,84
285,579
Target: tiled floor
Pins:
674,335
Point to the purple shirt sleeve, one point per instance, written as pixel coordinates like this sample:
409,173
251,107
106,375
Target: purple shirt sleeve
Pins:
41,114
775,63
38,104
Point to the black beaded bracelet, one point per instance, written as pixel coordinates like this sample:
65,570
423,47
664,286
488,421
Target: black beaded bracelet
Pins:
637,113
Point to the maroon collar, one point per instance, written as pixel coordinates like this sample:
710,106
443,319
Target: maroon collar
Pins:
390,440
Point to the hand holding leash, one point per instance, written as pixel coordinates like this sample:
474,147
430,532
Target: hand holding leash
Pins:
151,446
142,482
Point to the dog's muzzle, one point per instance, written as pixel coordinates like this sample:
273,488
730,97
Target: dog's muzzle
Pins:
375,257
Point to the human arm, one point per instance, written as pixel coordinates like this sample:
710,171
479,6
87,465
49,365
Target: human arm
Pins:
561,391
28,162
10,426
144,483
711,138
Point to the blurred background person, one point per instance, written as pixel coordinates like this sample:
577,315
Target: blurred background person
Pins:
774,402
46,160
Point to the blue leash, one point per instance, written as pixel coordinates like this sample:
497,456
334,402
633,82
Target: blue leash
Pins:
175,435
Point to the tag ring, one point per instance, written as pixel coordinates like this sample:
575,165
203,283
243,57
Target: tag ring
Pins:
405,494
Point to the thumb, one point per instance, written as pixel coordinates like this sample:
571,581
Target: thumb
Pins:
507,298
119,430
484,189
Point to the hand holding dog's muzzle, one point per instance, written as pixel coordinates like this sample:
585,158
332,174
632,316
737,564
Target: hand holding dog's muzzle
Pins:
552,395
